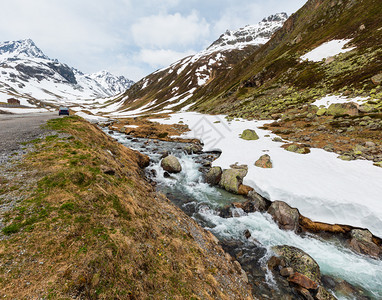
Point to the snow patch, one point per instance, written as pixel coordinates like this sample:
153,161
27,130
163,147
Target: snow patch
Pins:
323,187
328,100
326,50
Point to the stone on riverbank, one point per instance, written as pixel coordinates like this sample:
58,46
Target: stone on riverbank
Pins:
284,215
231,179
300,261
362,242
214,175
171,164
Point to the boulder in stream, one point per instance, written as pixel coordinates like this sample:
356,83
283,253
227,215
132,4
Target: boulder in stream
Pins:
231,179
171,164
214,175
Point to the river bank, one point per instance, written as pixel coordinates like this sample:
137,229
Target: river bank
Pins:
334,255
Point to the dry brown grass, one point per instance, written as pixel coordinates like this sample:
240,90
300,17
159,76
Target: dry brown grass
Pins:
88,235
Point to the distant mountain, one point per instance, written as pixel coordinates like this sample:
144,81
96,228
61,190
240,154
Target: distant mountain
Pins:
111,83
249,35
175,86
27,73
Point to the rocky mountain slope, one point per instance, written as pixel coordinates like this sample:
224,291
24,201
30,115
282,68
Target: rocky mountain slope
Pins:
258,83
172,87
278,75
27,74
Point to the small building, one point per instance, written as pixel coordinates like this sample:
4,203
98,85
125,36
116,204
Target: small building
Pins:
13,101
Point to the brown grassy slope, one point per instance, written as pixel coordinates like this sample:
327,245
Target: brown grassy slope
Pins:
89,234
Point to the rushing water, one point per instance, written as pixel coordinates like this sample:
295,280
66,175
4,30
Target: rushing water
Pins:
202,202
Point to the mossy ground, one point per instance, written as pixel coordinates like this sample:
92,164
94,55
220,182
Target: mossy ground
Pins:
85,234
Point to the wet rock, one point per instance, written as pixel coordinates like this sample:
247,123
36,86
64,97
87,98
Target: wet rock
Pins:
163,154
341,109
274,263
362,242
340,287
231,179
323,294
249,135
194,148
214,175
247,234
171,164
264,162
244,189
286,272
378,164
304,293
300,261
257,202
303,281
143,160
166,175
284,215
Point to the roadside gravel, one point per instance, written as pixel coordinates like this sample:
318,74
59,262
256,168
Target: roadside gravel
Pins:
17,129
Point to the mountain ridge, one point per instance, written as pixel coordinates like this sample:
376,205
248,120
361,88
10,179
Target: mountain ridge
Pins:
173,86
27,73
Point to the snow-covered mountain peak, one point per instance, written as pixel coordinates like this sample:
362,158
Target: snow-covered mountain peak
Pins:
20,50
250,35
26,72
117,84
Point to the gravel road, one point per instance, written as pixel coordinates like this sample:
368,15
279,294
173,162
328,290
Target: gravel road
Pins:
15,129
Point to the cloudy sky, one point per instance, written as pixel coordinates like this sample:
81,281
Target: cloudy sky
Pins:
129,37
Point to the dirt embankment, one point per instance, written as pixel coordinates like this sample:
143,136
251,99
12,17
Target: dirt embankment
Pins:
93,227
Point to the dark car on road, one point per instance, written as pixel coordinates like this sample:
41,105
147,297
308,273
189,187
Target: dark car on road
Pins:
63,111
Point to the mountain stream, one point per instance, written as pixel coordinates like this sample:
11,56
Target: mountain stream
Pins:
202,202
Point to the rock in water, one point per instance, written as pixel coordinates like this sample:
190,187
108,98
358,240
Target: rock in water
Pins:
214,175
264,162
362,242
323,294
284,215
231,179
249,135
258,202
300,261
171,164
